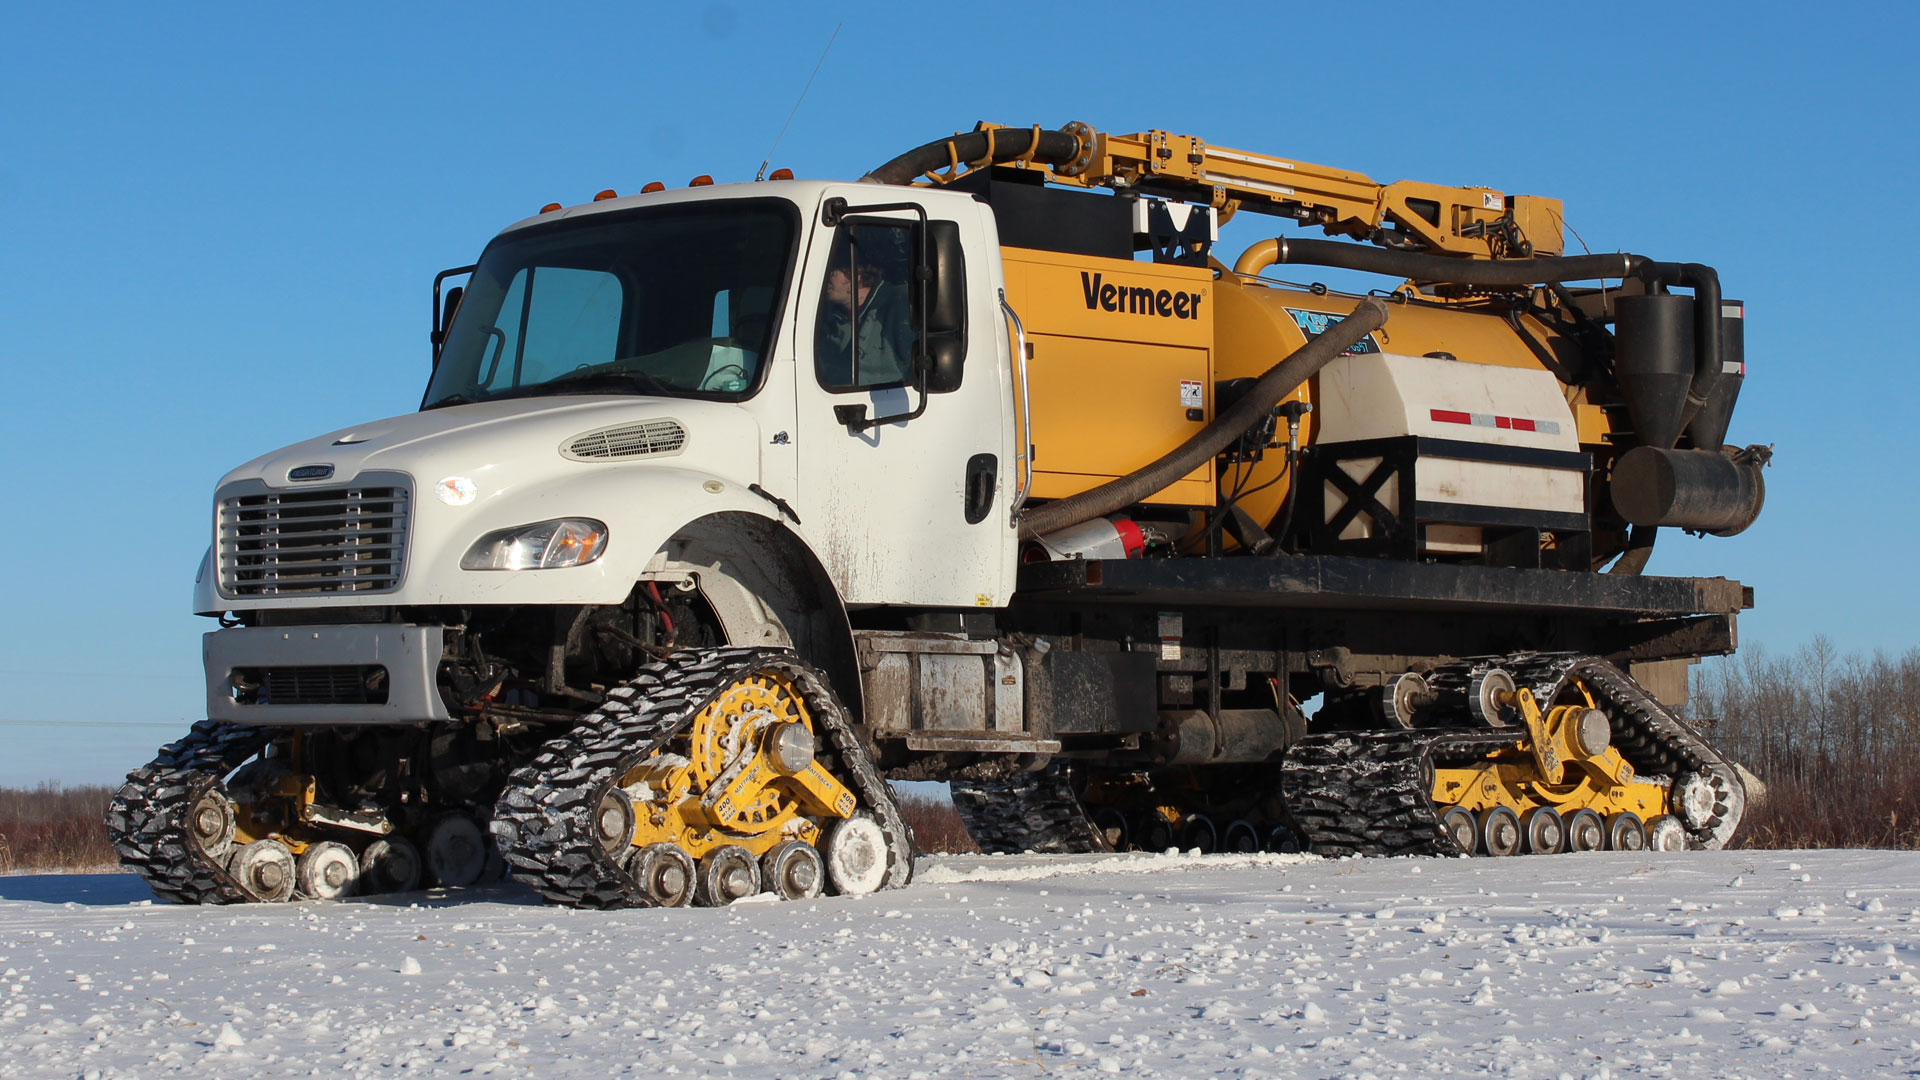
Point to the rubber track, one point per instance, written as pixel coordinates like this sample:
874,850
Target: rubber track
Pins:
1035,811
146,820
544,819
1370,793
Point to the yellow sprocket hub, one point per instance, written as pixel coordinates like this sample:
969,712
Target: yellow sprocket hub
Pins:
1553,766
745,772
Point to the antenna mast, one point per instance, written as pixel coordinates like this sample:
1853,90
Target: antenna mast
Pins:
762,174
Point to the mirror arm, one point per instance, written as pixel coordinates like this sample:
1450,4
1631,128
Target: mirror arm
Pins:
438,335
855,416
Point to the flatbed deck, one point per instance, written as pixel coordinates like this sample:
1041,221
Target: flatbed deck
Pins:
1342,583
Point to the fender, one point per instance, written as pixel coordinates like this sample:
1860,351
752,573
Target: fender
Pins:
768,587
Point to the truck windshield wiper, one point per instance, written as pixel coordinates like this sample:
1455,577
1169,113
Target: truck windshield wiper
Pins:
619,380
450,399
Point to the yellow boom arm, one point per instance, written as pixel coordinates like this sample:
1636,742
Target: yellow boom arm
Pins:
1473,222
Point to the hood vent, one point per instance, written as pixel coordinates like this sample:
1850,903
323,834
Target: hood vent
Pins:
646,438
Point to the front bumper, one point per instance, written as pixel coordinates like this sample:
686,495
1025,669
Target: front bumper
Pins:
306,666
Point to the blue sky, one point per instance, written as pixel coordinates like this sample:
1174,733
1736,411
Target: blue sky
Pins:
222,223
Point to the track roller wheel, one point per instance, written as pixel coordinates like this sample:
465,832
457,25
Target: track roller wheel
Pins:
326,871
728,873
1284,840
264,870
1665,833
1112,825
1199,831
1546,834
1585,831
1242,838
856,854
1500,831
389,865
665,873
1155,832
1461,827
456,851
1625,832
794,870
1488,694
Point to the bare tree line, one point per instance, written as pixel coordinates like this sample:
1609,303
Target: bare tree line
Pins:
1834,736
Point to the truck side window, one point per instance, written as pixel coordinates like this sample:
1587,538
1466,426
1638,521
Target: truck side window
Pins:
864,337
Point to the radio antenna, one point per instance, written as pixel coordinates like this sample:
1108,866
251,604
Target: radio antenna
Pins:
762,174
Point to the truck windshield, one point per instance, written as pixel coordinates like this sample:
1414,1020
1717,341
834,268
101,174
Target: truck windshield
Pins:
679,300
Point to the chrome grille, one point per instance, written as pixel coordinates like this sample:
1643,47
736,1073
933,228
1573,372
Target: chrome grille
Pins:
309,542
647,437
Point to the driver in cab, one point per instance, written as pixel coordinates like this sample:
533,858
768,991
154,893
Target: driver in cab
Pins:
865,331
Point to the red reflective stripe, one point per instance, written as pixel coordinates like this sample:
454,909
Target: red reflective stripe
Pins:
1502,422
1522,425
1445,416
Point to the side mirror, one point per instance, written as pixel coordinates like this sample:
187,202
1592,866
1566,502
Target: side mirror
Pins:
947,300
946,316
448,308
944,357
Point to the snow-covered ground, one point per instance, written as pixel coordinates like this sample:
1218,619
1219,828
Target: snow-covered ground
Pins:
1724,964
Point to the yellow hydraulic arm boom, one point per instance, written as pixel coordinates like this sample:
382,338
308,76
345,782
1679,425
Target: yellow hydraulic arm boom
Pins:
1472,222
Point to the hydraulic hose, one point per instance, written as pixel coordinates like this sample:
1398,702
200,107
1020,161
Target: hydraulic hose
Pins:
1516,273
1279,381
993,146
1422,267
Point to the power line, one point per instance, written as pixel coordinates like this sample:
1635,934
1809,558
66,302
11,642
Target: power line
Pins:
95,723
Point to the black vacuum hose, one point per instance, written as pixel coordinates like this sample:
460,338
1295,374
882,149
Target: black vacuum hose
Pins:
1005,144
1279,381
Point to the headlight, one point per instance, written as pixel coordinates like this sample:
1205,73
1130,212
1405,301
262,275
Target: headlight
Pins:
543,545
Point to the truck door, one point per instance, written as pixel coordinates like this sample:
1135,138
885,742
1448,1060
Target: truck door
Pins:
912,510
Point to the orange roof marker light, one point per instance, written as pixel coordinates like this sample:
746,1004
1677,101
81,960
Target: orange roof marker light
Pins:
781,174
550,208
605,195
653,187
703,180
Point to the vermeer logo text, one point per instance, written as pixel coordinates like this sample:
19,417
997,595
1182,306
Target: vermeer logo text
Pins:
1134,300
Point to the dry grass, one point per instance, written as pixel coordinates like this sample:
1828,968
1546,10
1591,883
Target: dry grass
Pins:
1836,739
936,826
53,828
